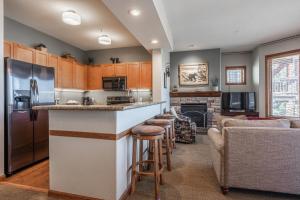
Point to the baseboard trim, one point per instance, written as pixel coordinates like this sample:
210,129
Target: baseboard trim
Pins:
65,195
25,187
126,193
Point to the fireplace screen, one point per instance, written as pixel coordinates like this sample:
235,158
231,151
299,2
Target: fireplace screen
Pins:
197,112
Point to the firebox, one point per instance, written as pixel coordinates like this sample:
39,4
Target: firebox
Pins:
197,112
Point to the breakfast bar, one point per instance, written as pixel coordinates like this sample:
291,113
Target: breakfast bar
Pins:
90,147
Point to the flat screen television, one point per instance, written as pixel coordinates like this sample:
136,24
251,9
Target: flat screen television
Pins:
238,101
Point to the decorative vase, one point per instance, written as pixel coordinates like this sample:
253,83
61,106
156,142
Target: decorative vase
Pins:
215,88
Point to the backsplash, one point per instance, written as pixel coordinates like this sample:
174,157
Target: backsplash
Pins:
99,95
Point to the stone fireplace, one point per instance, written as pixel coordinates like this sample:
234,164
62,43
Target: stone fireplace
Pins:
200,106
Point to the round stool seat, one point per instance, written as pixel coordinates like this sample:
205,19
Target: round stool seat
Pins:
147,130
165,116
159,122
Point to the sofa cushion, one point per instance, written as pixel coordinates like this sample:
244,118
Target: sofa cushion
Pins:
295,123
219,118
278,123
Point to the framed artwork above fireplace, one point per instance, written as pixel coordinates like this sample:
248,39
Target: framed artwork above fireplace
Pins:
193,74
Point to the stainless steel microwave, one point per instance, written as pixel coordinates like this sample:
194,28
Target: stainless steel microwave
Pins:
114,83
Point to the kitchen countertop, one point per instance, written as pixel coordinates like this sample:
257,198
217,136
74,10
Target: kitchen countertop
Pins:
101,107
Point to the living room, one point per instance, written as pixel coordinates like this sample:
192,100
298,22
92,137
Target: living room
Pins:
150,99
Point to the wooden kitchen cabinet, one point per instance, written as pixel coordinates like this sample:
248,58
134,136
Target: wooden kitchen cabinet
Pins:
133,75
53,61
120,69
108,70
94,77
66,72
79,76
8,49
41,58
23,53
146,75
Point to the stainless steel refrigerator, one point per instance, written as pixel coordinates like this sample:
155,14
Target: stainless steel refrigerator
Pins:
26,130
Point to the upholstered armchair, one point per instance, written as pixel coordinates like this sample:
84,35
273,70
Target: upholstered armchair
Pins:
185,129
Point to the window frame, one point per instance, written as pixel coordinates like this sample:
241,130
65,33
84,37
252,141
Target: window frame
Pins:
268,80
227,68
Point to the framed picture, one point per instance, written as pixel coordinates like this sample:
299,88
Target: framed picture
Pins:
193,74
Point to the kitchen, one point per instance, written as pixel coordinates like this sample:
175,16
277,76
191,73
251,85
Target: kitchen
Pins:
45,73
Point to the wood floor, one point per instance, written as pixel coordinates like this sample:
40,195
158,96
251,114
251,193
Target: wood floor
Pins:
36,176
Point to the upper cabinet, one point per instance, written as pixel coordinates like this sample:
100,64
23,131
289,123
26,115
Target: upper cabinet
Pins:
94,77
120,69
79,76
146,75
8,49
66,72
53,62
133,75
108,70
41,58
23,53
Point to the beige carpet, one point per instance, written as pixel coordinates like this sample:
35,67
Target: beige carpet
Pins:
192,178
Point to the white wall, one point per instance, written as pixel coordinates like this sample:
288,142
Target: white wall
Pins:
1,92
160,59
237,59
260,53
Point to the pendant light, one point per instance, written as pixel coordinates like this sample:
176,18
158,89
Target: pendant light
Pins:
104,39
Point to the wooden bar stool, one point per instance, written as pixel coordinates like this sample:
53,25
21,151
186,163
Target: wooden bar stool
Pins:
166,124
172,118
155,135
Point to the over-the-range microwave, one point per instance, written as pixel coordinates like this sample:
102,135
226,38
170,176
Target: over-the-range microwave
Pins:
114,83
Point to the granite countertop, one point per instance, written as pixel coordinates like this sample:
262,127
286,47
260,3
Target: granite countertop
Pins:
116,107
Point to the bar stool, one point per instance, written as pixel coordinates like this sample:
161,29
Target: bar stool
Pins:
172,118
166,124
155,135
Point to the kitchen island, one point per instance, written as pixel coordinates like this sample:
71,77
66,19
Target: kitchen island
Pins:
90,147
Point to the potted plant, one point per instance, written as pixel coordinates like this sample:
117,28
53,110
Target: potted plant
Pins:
215,84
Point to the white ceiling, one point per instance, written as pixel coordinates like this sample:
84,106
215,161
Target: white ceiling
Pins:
45,16
232,25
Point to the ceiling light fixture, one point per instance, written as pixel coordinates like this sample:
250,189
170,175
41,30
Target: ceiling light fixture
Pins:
71,17
135,12
104,39
154,41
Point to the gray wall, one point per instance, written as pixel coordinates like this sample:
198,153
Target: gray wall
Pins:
20,33
237,59
127,54
211,56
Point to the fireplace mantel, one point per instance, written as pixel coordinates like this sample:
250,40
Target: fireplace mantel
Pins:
196,94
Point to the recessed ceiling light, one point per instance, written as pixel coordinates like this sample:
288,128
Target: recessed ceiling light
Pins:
154,41
71,17
104,39
135,12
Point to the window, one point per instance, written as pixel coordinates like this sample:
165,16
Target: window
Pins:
235,75
283,84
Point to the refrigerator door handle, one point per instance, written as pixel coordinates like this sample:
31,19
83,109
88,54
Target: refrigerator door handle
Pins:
32,91
37,91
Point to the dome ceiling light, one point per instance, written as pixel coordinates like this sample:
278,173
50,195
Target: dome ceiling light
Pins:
71,17
104,39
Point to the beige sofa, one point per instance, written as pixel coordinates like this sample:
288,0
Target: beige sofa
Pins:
257,154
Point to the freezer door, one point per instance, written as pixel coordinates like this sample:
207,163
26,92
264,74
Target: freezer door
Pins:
19,141
41,135
44,85
18,79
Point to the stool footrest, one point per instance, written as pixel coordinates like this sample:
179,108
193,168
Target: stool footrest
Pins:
150,173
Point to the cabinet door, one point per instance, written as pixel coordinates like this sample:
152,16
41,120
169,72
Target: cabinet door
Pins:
133,75
23,53
146,75
94,81
121,69
8,49
41,58
53,62
108,70
66,69
79,76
